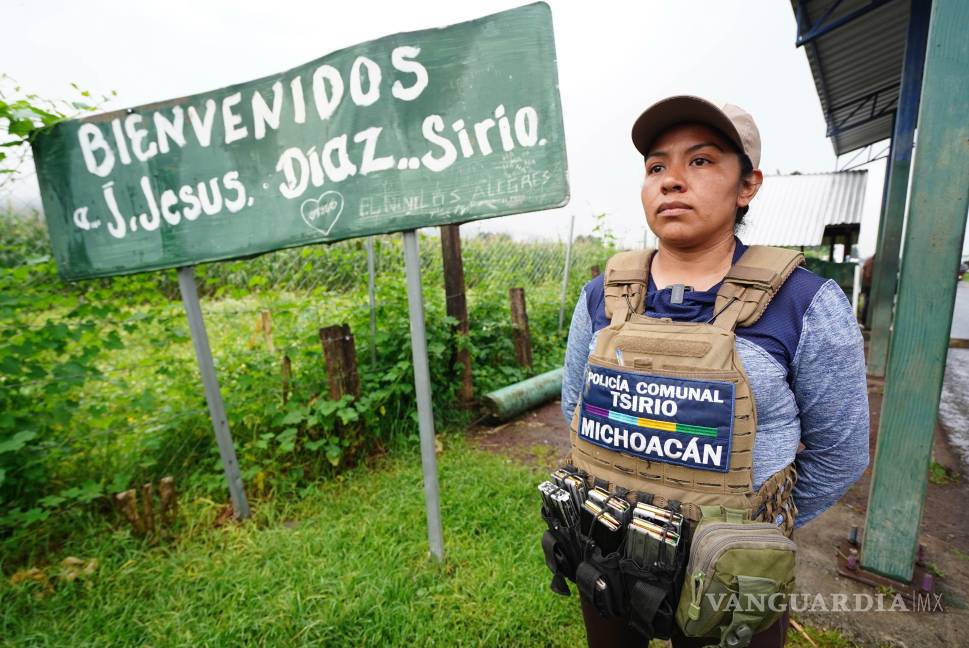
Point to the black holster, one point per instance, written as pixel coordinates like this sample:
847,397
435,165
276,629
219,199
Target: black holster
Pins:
600,581
615,585
562,553
652,603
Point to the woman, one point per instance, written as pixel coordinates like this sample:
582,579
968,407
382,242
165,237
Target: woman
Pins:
803,357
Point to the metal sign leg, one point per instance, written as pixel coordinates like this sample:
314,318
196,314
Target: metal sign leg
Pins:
565,273
422,385
370,292
190,298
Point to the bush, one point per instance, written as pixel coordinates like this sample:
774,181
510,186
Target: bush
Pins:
100,392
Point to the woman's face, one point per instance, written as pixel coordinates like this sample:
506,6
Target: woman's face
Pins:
692,187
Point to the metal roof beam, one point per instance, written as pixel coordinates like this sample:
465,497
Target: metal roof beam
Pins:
846,123
819,28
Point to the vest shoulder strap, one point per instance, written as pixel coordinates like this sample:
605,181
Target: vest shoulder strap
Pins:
751,284
625,281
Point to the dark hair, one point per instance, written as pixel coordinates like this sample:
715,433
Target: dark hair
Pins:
746,168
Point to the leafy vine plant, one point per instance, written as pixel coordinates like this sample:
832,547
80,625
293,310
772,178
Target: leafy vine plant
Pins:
604,232
22,114
50,332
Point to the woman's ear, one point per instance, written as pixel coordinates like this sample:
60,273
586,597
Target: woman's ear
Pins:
749,187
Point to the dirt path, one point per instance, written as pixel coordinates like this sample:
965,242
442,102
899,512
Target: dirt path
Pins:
541,438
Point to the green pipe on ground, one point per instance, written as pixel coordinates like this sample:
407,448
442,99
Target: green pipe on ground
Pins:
508,402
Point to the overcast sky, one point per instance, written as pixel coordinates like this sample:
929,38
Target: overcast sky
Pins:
614,59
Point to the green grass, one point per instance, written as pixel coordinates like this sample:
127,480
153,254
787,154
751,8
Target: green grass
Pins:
941,475
345,565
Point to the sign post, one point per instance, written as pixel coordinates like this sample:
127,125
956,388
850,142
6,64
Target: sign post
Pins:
422,388
565,272
213,396
371,289
413,130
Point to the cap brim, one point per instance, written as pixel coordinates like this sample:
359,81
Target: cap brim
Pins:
675,110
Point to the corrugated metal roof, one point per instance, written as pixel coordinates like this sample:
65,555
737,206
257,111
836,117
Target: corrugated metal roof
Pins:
795,209
857,67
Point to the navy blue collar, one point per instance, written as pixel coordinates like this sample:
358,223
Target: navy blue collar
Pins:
697,304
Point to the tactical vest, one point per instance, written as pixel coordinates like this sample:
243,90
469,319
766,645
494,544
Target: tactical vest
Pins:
657,390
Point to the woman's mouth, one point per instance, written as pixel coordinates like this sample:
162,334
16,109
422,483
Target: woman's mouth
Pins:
673,209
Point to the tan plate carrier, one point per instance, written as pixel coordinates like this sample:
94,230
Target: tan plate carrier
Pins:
698,351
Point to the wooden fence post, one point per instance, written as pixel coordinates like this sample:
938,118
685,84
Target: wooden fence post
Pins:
287,371
169,500
457,306
128,504
267,329
148,508
519,319
341,360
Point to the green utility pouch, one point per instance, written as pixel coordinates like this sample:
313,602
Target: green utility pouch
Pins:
737,579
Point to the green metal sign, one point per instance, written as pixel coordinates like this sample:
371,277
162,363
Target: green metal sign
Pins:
412,130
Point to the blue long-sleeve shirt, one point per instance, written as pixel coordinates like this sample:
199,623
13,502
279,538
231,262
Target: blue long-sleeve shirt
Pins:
805,363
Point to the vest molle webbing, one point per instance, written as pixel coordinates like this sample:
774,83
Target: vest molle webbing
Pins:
682,358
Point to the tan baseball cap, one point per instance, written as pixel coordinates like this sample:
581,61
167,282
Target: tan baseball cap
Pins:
733,121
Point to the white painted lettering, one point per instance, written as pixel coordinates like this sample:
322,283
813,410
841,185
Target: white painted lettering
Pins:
299,102
137,134
526,126
605,433
203,125
211,205
692,452
712,455
168,200
402,58
263,115
92,141
343,168
327,100
119,141
231,182
360,97
152,219
295,179
231,121
638,441
668,448
622,438
433,124
187,196
370,164
481,134
173,129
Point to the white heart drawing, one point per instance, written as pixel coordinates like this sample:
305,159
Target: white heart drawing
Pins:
319,211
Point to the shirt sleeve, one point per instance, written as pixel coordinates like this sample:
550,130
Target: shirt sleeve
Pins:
576,356
831,389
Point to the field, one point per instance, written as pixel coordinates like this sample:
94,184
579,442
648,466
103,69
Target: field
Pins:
100,392
345,563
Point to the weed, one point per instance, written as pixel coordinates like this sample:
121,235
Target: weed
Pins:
941,475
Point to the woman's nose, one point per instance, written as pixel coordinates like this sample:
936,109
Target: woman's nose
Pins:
672,181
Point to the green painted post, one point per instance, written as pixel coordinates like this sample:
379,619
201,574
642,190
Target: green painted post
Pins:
927,286
885,270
